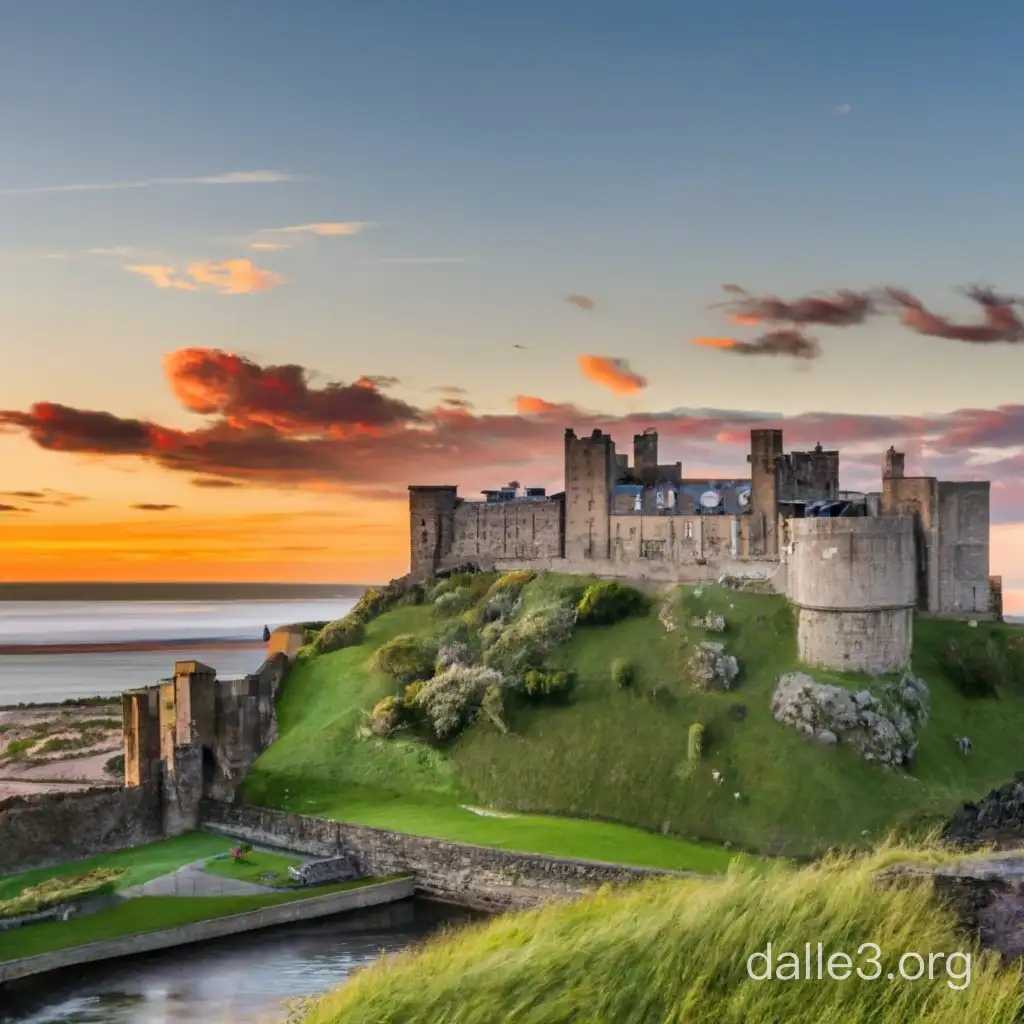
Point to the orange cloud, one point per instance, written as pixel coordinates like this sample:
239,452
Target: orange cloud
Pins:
232,277
613,373
268,246
529,405
714,342
162,277
324,229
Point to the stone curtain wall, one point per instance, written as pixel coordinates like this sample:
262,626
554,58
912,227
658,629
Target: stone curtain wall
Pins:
478,876
50,828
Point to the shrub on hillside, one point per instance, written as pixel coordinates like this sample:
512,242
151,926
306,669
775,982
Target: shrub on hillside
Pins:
405,658
623,673
386,716
548,686
371,603
695,742
525,642
455,653
608,601
451,699
455,599
346,632
979,665
492,707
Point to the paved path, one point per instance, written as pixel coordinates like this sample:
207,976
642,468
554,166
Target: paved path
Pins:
192,880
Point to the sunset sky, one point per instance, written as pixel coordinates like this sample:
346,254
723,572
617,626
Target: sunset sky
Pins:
263,264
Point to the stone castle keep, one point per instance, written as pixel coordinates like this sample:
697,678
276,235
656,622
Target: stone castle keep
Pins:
856,565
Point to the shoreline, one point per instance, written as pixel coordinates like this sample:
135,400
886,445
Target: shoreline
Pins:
129,646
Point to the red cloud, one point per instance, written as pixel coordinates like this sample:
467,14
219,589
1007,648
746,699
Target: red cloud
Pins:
213,382
269,426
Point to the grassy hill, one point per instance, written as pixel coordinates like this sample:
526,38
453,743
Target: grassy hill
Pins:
677,952
620,755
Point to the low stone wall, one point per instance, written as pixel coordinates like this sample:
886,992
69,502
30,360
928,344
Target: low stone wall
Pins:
475,876
50,828
202,931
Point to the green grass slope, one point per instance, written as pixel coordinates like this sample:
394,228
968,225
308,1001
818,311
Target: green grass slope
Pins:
676,952
620,756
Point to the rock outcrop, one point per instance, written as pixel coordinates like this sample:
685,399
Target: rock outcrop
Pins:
882,726
711,668
1000,815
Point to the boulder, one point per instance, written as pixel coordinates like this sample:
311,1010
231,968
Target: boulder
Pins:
712,623
667,617
711,668
883,727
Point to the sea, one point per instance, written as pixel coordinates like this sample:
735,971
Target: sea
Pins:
69,641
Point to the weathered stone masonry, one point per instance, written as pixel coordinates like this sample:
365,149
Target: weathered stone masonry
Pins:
479,876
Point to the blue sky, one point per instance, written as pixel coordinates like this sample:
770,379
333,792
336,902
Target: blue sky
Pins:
642,154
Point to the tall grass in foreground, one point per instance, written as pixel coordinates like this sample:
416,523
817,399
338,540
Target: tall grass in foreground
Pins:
675,952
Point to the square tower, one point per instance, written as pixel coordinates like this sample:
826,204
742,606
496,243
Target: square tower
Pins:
645,456
590,473
765,453
431,527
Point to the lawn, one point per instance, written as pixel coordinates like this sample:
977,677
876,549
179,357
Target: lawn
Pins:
620,756
147,914
143,863
257,867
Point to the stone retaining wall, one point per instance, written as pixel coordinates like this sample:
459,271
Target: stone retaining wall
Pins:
475,876
202,931
51,828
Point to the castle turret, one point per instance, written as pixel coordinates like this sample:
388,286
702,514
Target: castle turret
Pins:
431,527
590,472
893,464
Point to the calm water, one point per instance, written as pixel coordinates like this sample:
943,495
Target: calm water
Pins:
242,980
46,677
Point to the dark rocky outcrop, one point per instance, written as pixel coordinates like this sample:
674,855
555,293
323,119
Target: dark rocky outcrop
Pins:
998,817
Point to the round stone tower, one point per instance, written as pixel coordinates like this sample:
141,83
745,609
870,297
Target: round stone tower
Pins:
853,581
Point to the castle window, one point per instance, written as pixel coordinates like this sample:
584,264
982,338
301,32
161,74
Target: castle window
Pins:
688,531
652,549
423,522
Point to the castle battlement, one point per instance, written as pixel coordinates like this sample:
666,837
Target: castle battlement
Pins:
643,519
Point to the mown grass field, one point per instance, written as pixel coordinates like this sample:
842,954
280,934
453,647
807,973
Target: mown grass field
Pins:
143,863
620,756
257,868
677,952
147,914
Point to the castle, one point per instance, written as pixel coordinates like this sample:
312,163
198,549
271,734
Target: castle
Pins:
856,565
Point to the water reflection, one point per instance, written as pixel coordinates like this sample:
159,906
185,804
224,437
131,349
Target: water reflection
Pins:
245,979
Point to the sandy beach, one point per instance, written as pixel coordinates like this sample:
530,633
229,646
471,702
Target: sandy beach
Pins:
51,748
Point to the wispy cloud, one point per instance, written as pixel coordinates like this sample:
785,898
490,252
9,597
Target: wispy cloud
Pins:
419,259
323,229
842,110
581,301
149,506
260,246
229,178
232,277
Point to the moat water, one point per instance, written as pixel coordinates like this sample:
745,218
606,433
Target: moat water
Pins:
247,979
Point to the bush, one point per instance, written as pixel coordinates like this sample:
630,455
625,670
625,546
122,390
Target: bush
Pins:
57,891
695,742
386,716
525,643
455,653
551,686
346,632
405,658
456,599
980,666
451,699
493,707
608,601
410,693
623,674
